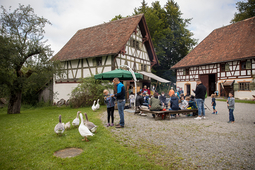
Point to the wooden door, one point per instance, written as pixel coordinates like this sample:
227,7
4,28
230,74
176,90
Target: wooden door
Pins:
205,80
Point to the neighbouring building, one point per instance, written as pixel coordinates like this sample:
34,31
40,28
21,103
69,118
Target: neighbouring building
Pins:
224,61
104,48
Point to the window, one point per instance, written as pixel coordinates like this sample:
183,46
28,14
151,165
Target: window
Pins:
224,67
244,86
134,43
186,71
243,65
145,67
97,61
246,64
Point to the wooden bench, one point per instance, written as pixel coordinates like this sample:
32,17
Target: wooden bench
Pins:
160,115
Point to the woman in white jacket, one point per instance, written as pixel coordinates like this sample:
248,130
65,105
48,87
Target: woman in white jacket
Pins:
183,104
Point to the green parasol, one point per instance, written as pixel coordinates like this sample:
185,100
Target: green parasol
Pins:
119,73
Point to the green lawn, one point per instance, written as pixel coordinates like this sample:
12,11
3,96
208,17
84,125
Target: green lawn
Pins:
238,101
28,141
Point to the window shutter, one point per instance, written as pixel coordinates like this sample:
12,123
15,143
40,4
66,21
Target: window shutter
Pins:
252,86
236,86
248,64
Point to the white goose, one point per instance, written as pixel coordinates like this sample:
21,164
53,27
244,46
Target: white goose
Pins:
92,127
84,130
76,121
59,128
67,125
94,106
97,105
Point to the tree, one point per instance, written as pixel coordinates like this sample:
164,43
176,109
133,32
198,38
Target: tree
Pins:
245,10
170,36
24,53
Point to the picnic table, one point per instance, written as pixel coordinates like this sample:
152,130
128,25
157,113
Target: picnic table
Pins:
160,115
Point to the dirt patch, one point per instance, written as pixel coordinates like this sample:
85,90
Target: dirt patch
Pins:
68,152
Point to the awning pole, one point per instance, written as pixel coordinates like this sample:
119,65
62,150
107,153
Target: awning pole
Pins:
134,77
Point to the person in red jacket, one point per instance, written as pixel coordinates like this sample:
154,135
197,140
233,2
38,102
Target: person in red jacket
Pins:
145,90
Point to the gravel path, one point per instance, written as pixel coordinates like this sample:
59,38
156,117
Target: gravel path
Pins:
208,144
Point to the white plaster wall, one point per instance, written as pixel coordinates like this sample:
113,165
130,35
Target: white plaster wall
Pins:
63,90
182,85
106,69
244,94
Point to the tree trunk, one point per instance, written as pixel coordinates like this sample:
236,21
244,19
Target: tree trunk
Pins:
14,102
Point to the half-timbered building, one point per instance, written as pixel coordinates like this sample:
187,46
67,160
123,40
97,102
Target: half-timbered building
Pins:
104,48
224,61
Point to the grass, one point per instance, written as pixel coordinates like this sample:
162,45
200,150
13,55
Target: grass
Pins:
238,101
28,141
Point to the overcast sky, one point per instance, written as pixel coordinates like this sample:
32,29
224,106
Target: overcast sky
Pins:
68,16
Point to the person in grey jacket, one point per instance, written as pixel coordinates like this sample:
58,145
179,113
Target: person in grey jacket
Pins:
231,107
155,104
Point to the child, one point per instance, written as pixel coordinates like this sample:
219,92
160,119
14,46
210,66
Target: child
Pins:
132,99
110,106
214,104
183,104
231,107
192,105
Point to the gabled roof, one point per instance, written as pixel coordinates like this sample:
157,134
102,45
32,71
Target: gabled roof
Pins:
232,42
105,39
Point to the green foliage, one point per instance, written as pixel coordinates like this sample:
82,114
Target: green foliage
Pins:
245,10
25,59
170,36
87,91
117,17
28,141
168,30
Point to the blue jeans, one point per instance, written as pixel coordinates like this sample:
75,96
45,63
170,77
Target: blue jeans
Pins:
200,107
121,106
231,115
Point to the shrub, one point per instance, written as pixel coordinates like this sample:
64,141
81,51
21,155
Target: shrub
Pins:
87,91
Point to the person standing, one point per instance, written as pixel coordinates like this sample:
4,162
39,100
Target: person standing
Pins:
231,107
214,104
171,92
200,98
131,99
181,91
120,96
110,106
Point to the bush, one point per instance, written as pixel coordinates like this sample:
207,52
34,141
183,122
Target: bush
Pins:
87,91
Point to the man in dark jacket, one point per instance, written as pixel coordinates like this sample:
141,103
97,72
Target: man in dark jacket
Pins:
120,96
200,98
139,99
